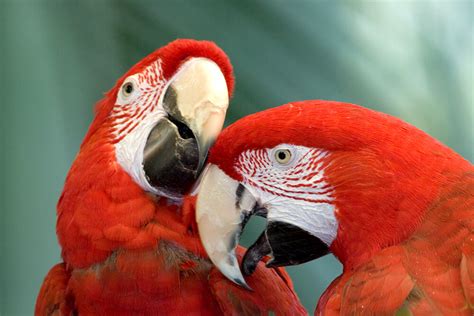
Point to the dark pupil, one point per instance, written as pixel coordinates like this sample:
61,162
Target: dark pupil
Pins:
128,88
282,155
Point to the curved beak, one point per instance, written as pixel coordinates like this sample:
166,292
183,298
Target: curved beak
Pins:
223,208
196,102
221,213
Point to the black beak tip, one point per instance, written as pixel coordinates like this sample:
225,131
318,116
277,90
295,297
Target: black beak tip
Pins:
255,253
248,266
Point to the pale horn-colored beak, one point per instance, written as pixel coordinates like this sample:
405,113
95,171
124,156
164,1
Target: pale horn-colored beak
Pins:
196,101
223,207
198,97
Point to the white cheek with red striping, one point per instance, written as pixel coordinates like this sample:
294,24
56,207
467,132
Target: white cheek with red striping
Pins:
289,182
137,110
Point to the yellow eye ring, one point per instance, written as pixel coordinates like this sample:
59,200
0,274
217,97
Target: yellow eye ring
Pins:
128,88
283,156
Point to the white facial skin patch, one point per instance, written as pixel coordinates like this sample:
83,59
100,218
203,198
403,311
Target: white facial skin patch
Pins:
289,182
137,110
202,101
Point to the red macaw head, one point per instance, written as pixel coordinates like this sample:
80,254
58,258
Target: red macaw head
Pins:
164,113
327,176
150,137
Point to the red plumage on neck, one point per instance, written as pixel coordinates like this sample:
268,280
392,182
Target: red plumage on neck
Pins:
384,171
102,209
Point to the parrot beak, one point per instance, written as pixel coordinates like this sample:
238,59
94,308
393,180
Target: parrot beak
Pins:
223,208
196,102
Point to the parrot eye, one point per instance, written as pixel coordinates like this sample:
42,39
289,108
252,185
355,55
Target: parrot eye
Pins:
283,156
128,88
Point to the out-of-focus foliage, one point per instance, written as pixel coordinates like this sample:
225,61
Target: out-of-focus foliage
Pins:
412,59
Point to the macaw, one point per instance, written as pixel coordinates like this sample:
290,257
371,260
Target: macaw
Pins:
394,205
125,221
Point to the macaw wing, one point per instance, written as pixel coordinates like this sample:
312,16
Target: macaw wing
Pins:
440,256
52,298
429,274
467,270
272,293
385,286
379,287
466,216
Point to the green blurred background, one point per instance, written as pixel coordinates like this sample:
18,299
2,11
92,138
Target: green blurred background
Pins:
412,59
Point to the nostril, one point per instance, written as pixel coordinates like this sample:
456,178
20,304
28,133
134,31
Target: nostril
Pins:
184,131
